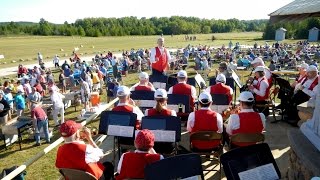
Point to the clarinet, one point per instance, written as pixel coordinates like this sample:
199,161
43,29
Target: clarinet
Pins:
246,86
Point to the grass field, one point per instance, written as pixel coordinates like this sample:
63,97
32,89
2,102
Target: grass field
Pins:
24,49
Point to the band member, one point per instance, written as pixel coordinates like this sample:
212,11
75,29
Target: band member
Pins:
246,121
259,62
132,164
205,119
183,88
159,58
286,93
223,69
302,93
260,88
143,84
161,97
126,104
220,88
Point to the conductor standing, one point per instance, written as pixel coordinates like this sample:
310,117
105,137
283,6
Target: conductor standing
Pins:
159,58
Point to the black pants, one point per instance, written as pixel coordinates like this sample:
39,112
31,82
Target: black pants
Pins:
291,108
156,72
56,65
108,171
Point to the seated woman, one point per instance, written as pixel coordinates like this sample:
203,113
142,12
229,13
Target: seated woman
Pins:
161,109
132,164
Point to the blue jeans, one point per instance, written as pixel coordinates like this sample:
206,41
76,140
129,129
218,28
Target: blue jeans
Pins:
42,124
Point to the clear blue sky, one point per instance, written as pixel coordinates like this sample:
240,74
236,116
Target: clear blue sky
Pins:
58,11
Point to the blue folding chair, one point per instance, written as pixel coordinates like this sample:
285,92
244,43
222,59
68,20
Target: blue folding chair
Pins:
176,167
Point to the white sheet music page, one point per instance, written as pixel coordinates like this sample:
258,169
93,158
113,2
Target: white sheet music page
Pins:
122,131
176,107
265,172
145,103
164,135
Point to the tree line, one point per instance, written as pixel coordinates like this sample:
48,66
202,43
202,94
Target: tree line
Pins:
295,30
95,27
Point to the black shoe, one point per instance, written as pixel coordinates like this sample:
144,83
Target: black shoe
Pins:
37,144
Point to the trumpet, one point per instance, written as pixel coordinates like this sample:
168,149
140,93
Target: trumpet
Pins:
93,131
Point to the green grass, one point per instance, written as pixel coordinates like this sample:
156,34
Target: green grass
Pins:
26,47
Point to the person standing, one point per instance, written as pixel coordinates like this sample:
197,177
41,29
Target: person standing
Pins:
56,61
85,93
58,106
114,64
20,103
40,58
4,109
40,121
205,119
159,58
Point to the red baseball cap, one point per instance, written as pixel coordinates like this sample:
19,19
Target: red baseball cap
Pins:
69,127
144,139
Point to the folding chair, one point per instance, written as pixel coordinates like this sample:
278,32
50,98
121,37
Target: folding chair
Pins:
270,103
121,125
74,174
246,158
160,125
245,139
229,82
176,167
216,150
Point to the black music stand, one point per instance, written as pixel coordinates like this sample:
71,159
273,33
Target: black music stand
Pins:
246,158
164,123
119,119
237,82
143,95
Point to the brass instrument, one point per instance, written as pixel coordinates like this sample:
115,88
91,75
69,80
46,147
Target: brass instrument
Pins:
233,109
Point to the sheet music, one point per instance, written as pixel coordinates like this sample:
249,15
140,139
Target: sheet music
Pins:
265,172
145,103
122,131
176,107
158,85
162,135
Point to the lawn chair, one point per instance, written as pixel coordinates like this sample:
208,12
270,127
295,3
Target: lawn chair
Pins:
74,174
270,105
245,139
216,150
